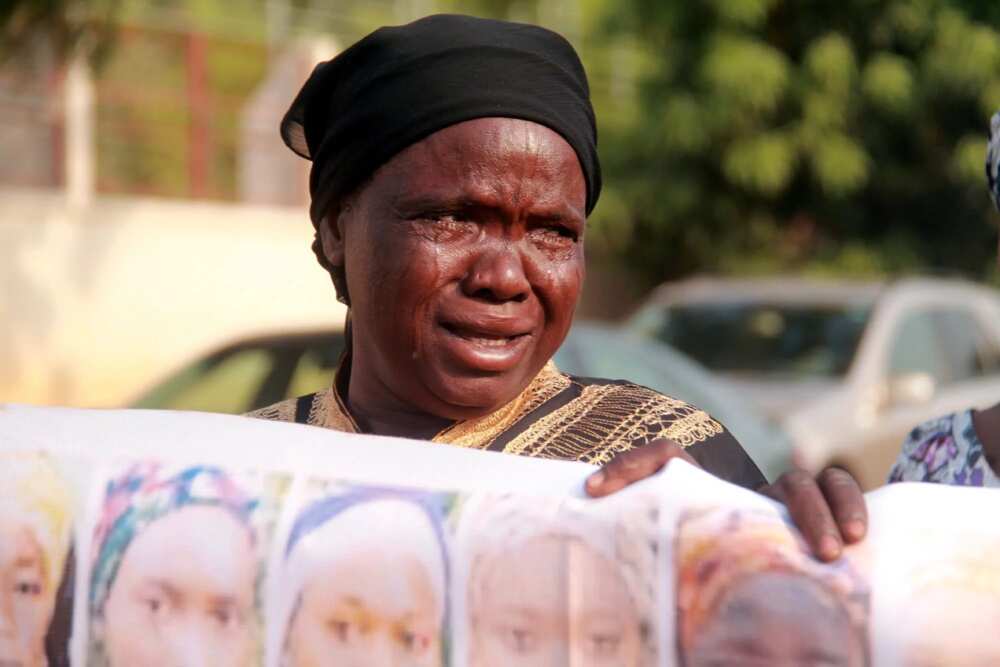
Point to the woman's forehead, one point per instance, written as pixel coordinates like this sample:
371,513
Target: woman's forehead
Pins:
488,158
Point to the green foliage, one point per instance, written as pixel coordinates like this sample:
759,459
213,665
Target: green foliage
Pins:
749,13
69,25
760,163
777,135
888,83
736,135
732,62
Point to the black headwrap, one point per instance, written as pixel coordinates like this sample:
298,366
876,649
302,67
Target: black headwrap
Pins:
401,84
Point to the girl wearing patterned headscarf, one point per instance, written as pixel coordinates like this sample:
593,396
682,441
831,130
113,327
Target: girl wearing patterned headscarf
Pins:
748,593
174,571
363,581
35,533
556,581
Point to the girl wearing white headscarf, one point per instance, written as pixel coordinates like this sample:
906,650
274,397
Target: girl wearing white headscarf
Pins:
556,581
363,581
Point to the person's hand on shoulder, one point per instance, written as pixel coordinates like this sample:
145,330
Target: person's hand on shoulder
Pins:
829,509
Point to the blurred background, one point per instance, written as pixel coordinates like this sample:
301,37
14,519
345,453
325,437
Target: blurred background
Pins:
794,232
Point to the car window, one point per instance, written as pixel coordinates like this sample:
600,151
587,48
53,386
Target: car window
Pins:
316,368
967,347
756,337
948,344
916,348
228,383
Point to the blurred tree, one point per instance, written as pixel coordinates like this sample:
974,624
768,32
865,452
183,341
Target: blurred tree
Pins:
736,135
782,135
87,25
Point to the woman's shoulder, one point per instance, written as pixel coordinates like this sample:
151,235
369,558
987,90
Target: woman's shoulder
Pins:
651,414
944,450
640,415
282,411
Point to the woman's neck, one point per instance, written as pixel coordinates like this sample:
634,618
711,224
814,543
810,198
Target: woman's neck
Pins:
376,410
381,421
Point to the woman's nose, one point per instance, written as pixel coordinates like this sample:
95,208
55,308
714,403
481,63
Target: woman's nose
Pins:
195,644
191,653
380,652
497,275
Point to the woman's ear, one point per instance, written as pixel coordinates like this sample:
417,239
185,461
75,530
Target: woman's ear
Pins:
331,236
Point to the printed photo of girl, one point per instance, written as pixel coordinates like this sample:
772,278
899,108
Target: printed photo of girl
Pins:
174,569
556,581
35,558
363,581
749,593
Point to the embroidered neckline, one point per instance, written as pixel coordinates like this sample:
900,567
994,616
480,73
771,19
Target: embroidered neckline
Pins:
329,410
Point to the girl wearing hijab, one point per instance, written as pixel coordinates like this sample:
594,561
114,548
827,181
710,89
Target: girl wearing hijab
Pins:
35,535
749,594
174,571
962,448
554,581
363,583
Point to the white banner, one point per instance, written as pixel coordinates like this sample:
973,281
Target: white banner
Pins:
180,540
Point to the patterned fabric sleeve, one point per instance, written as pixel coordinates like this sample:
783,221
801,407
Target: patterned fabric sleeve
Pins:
993,160
946,450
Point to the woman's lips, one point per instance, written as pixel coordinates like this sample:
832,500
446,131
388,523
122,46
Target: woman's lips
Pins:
493,349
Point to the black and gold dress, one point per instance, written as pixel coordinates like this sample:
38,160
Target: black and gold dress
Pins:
559,416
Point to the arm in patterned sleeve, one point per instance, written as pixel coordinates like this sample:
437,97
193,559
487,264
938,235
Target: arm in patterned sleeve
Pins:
946,450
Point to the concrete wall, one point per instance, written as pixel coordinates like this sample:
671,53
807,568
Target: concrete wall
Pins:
97,303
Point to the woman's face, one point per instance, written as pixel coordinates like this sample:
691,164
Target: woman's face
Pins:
26,602
372,607
554,601
184,594
776,619
464,261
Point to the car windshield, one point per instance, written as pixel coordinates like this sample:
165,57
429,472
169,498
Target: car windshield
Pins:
767,338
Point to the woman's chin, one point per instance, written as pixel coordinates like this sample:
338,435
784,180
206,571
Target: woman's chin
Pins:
464,397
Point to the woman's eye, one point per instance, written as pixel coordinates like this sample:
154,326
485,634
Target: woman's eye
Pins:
224,616
557,236
28,587
153,605
415,642
445,227
340,629
520,640
605,645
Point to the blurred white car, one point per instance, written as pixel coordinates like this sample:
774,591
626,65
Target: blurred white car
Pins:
255,372
847,369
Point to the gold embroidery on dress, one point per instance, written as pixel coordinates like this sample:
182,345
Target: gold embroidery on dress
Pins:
325,411
278,412
608,419
481,432
329,411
